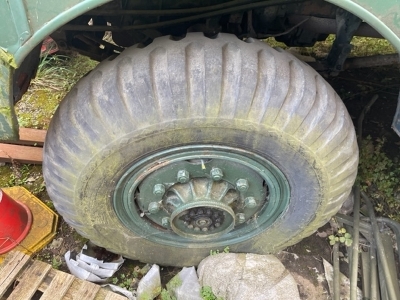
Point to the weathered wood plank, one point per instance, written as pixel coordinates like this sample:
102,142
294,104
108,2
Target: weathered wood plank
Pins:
86,290
22,154
30,281
15,262
113,296
58,286
30,136
33,276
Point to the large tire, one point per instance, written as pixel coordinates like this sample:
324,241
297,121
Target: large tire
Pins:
237,109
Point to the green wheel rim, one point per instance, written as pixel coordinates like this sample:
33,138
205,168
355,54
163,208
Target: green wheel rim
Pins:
202,195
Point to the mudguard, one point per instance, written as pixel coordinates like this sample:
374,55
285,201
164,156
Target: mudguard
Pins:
28,22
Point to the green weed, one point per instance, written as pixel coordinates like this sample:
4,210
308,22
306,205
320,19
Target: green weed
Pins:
379,176
165,295
341,237
207,294
215,252
56,262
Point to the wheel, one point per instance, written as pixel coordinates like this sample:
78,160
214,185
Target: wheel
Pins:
182,147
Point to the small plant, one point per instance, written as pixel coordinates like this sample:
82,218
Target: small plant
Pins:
379,176
165,295
207,294
56,262
215,252
341,237
124,281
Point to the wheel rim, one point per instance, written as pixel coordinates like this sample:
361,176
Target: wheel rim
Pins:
202,195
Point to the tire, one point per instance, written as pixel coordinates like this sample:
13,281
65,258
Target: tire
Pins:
183,147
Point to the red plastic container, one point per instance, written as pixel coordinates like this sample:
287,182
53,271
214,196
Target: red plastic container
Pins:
15,222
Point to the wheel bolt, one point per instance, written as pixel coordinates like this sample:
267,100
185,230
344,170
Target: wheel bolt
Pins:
183,176
242,185
241,218
250,202
159,189
154,207
216,174
165,222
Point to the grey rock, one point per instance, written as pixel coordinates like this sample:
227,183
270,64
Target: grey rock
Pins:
247,276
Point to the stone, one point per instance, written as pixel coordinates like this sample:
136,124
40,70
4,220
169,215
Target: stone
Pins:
235,276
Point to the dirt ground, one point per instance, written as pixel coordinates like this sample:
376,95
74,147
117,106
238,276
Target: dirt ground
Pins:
304,260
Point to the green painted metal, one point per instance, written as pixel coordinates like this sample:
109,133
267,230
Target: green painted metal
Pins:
25,23
8,119
384,16
200,209
30,21
13,17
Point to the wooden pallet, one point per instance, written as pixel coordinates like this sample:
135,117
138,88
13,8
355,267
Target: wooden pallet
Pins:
22,278
27,150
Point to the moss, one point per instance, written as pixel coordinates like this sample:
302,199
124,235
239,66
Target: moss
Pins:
56,76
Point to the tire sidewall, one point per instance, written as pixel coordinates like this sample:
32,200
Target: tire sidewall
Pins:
97,182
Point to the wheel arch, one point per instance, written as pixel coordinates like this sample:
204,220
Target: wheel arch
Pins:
41,24
384,18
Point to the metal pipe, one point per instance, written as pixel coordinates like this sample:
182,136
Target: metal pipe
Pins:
336,272
356,237
366,274
380,249
395,227
374,273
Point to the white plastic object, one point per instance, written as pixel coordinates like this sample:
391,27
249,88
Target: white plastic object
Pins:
185,285
150,285
91,269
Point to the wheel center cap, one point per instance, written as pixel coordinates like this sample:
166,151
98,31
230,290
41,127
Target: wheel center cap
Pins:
202,219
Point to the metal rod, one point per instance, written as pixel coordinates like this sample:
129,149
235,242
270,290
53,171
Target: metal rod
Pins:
336,272
366,274
356,238
388,246
380,249
395,227
374,273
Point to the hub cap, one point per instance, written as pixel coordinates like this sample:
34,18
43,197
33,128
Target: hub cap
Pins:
198,194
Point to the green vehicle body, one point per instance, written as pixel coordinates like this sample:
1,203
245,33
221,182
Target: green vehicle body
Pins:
26,23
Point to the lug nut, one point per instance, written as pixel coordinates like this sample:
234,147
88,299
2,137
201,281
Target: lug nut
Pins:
183,176
154,207
242,185
216,174
159,189
241,218
250,202
165,222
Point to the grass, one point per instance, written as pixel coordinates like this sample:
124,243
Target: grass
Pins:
56,75
362,46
